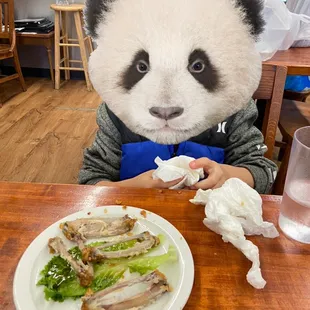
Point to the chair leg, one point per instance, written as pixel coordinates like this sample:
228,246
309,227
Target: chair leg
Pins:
57,50
280,181
18,70
282,150
79,30
90,44
50,61
65,48
90,47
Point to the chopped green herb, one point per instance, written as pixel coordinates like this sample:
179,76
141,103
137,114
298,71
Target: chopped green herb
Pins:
60,280
120,246
76,253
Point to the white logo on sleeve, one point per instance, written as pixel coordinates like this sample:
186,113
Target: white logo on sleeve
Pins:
222,127
273,173
262,147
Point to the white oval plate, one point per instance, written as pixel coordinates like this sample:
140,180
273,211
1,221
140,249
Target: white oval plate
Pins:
180,275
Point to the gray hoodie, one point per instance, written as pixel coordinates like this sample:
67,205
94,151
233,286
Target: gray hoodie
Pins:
243,146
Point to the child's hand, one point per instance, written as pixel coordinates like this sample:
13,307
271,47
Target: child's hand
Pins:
145,180
218,174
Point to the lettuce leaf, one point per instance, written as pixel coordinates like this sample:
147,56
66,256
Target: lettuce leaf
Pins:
106,276
120,246
56,272
77,254
61,282
144,264
71,289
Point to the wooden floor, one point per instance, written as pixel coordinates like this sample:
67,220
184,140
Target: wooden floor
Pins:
43,131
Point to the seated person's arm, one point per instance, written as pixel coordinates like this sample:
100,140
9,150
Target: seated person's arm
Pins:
144,180
244,156
101,164
102,160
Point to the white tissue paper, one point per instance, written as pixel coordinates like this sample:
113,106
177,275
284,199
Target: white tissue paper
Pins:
176,168
233,211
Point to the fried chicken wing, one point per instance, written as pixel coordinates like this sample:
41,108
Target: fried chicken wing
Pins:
144,242
134,294
84,272
91,228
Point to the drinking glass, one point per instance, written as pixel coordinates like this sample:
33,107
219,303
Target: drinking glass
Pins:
295,208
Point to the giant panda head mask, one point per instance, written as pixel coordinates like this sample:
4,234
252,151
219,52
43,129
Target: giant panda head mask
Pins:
171,69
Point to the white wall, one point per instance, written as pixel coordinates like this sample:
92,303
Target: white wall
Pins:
33,9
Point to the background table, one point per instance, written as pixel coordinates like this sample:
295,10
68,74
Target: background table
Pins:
296,59
220,269
39,39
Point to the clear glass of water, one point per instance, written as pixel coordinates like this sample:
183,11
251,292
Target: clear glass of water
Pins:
295,208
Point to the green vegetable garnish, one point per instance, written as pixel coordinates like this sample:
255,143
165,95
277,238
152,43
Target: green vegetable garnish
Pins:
144,264
61,282
106,276
76,253
120,246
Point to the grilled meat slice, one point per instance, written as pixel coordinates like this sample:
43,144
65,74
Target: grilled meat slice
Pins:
149,288
91,228
145,242
84,272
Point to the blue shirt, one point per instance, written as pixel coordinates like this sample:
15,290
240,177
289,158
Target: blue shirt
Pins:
139,157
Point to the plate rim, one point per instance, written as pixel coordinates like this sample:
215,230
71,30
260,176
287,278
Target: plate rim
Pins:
188,270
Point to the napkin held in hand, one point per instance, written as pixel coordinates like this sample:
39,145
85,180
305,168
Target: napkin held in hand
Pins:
176,168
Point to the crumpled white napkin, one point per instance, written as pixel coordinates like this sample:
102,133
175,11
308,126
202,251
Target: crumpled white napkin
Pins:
235,210
176,168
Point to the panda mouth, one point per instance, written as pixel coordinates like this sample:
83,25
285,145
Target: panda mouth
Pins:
170,128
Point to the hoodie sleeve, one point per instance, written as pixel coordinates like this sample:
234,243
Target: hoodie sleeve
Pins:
102,160
246,149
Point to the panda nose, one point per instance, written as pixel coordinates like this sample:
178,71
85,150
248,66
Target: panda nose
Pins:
166,113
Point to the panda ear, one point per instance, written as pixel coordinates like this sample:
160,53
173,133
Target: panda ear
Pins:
252,15
94,13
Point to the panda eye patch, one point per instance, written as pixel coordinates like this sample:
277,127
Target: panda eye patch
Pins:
136,71
201,68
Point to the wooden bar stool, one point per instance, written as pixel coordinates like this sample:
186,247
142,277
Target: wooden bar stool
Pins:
63,40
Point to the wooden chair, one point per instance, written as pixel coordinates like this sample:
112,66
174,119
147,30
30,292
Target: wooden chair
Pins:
7,33
82,42
271,88
294,115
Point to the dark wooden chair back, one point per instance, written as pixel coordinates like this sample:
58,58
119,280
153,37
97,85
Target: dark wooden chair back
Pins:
7,33
7,27
271,89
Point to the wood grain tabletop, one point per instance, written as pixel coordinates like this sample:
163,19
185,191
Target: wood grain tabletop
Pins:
296,59
220,270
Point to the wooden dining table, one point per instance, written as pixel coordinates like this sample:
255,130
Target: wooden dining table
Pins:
26,210
296,59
